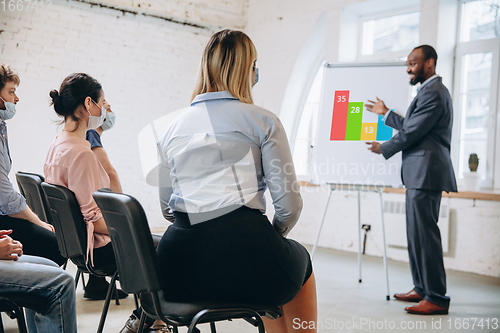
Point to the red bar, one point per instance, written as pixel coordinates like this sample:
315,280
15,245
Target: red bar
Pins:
339,118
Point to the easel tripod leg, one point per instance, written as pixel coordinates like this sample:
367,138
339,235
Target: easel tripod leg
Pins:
385,247
359,238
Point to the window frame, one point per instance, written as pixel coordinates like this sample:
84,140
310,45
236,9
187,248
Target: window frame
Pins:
384,55
320,66
492,177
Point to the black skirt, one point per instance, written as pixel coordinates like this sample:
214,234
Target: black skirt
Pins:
237,257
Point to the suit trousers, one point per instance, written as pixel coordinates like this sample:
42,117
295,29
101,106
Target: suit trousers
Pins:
424,245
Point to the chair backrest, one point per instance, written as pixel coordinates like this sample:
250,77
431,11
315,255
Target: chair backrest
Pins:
132,242
71,230
30,186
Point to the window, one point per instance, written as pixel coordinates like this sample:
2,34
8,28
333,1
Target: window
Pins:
389,34
306,132
480,20
388,37
476,102
475,99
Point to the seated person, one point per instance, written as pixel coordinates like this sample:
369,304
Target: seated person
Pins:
218,158
35,276
71,163
94,137
37,236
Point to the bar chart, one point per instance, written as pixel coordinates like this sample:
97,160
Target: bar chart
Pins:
350,123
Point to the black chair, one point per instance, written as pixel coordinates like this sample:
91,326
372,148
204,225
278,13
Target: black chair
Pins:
71,232
138,267
13,304
30,186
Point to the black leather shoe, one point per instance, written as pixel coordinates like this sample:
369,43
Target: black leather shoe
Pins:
97,289
132,326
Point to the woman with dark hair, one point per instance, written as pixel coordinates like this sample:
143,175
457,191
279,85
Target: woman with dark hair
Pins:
37,236
219,157
71,163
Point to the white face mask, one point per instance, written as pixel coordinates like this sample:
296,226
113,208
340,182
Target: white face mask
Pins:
10,110
96,122
109,122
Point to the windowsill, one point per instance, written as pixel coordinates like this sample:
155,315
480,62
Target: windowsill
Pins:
493,195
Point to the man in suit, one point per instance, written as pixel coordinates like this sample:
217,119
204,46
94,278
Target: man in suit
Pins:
424,138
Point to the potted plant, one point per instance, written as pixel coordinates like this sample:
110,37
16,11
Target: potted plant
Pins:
472,179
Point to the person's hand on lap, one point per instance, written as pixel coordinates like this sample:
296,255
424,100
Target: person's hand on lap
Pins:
9,248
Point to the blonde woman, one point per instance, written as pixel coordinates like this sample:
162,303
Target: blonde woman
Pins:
219,157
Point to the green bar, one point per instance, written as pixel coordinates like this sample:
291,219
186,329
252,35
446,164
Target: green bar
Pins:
354,118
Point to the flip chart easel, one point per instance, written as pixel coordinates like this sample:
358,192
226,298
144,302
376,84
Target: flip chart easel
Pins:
340,154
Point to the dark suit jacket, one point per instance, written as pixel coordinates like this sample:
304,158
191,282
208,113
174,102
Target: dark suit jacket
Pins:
424,138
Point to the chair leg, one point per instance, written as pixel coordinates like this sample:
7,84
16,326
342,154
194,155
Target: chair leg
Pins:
79,273
1,324
17,313
77,277
84,285
106,303
65,265
262,329
115,292
212,327
136,300
21,321
142,322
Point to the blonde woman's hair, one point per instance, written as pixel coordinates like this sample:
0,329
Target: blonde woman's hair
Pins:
7,75
226,65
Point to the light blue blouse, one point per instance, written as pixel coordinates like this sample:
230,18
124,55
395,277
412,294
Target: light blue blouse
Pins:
220,154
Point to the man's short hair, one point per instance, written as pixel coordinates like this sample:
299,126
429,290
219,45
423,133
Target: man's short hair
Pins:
7,75
429,53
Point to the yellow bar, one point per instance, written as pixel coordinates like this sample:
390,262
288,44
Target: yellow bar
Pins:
368,131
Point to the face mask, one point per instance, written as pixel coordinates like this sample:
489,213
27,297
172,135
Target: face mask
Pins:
10,110
96,122
256,77
109,121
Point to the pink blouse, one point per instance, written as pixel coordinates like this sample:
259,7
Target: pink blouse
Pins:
71,163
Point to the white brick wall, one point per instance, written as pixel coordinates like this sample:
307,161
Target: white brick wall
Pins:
214,13
147,67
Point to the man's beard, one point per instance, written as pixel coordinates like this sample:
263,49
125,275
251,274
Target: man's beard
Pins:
417,77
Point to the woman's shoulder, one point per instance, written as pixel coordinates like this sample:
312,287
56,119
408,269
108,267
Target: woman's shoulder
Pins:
68,149
259,117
